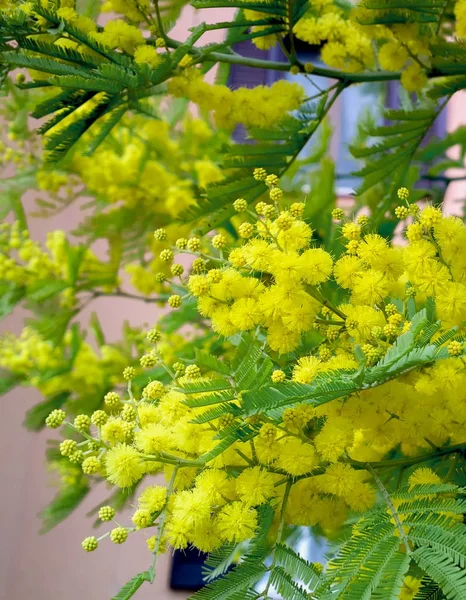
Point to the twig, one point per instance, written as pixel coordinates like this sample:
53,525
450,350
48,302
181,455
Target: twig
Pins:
391,506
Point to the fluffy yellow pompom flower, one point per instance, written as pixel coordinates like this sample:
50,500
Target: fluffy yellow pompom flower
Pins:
334,438
370,288
215,485
153,498
413,78
339,479
451,302
410,589
124,466
153,438
423,476
307,369
255,486
237,522
392,56
316,265
296,457
347,271
118,34
114,431
147,55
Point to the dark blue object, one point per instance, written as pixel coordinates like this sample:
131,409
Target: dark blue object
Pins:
187,570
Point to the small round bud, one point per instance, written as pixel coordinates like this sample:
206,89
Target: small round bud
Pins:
260,206
269,211
181,243
333,334
193,371
128,413
284,221
112,399
160,277
77,457
68,447
179,369
351,231
153,335
308,67
219,241
403,193
153,390
414,210
268,431
91,465
391,309
259,174
455,348
82,423
99,418
166,255
147,361
160,42
278,376
160,235
324,353
352,247
362,220
119,535
272,180
174,301
129,373
376,331
395,319
194,244
246,230
294,70
106,513
226,420
240,205
411,292
338,214
55,418
401,212
215,276
199,265
297,209
351,323
20,78
276,194
89,544
142,518
390,330
177,270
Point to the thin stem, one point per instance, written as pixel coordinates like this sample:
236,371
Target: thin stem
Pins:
163,516
278,538
160,27
391,506
412,460
120,294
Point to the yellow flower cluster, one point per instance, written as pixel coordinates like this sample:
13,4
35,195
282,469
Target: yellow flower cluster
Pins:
154,167
260,106
309,462
349,46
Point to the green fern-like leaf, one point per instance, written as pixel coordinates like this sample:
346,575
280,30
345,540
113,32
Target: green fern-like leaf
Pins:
387,160
132,586
443,570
